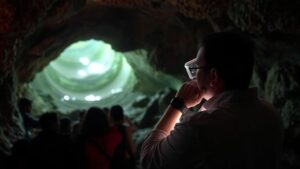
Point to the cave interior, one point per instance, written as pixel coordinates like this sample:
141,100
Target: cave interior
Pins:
67,55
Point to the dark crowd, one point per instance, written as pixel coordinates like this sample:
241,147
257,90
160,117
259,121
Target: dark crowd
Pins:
101,138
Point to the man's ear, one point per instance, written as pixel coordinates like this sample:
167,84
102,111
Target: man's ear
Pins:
214,77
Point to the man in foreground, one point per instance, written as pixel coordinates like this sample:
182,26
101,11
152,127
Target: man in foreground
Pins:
234,129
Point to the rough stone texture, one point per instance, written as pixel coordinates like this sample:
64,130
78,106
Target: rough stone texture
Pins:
34,32
125,29
18,20
281,84
265,16
277,76
11,122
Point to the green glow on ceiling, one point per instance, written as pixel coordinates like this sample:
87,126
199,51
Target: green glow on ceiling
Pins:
86,71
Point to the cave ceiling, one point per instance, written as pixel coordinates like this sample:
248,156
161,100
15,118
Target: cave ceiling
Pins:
40,30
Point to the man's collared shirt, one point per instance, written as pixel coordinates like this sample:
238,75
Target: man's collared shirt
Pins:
233,130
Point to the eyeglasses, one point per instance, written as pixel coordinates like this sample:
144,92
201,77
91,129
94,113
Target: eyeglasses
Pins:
191,68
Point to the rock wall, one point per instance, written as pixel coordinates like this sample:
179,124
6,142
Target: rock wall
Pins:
18,21
34,32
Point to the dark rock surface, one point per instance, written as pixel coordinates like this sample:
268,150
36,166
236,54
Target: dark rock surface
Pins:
33,33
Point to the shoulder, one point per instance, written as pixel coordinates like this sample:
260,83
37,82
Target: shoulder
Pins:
208,117
114,131
115,134
209,126
112,136
215,121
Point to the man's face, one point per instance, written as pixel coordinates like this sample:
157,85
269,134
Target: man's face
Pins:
202,74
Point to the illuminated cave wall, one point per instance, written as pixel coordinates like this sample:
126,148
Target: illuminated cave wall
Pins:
90,73
85,74
164,32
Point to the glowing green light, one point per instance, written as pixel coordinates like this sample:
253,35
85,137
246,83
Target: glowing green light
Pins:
86,71
90,73
84,60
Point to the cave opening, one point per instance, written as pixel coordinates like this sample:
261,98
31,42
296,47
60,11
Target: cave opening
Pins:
91,73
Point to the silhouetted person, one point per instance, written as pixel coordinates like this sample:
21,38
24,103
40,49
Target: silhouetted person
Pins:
29,122
19,157
291,158
125,127
50,149
99,139
65,126
234,129
106,110
76,126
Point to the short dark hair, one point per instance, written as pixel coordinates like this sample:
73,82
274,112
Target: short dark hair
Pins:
232,55
117,113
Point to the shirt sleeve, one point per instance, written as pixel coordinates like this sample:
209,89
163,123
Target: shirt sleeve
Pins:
169,151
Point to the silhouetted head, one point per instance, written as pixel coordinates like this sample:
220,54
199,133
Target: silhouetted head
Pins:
106,110
49,122
95,123
232,55
117,113
81,114
24,105
65,125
